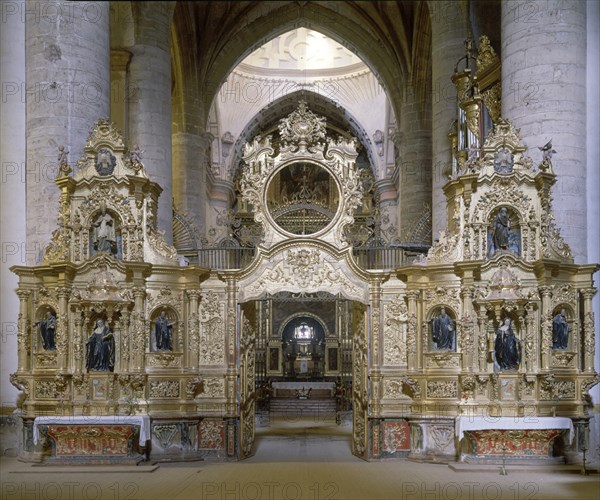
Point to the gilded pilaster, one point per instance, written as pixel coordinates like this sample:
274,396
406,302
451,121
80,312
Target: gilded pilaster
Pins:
23,330
589,334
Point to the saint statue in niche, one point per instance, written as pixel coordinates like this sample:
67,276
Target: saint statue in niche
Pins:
560,331
163,331
443,331
105,239
100,348
507,348
503,237
48,331
500,236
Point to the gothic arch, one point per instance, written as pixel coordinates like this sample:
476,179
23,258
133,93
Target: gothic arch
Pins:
338,118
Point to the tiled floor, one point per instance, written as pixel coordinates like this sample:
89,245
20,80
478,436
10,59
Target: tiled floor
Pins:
296,458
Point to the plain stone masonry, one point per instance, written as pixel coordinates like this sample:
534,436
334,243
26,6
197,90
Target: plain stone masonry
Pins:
150,102
67,90
544,95
448,46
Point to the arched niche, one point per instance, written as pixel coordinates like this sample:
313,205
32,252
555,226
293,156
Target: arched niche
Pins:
436,324
102,347
164,334
44,333
563,327
303,345
105,233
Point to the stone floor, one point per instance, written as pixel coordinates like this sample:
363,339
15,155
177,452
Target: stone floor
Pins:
296,458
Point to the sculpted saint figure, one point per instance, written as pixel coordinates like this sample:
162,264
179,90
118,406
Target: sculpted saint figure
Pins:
560,331
506,347
48,331
100,348
443,331
104,234
163,331
501,230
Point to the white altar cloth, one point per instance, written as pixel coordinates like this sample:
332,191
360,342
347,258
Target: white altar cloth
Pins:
481,423
142,420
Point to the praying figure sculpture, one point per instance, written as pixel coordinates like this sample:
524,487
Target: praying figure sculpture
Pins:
507,349
163,331
560,331
100,348
443,331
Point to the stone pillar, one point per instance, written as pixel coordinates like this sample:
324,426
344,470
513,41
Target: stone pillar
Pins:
12,188
544,95
190,163
67,90
119,90
415,160
448,35
150,100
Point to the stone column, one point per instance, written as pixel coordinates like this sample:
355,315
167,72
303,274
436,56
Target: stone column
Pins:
544,95
415,160
150,100
67,90
447,47
190,163
119,90
12,188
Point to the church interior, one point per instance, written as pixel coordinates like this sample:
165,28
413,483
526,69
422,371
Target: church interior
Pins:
311,237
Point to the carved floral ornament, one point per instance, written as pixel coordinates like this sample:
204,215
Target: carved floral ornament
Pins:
303,269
